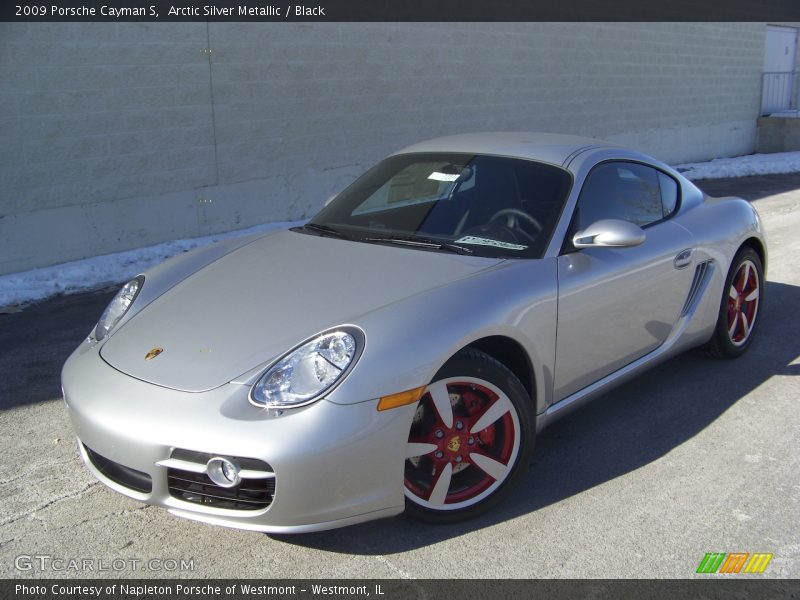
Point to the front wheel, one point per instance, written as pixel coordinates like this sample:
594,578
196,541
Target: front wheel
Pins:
471,436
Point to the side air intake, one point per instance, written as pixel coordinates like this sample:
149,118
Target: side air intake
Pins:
701,277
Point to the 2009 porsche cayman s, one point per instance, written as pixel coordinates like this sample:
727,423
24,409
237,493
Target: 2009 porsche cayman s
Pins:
401,350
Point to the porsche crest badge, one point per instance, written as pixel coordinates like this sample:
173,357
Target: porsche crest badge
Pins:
153,353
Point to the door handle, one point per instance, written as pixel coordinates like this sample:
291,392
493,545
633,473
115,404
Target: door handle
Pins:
683,259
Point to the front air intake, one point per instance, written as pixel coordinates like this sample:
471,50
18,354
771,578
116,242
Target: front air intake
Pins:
188,481
125,476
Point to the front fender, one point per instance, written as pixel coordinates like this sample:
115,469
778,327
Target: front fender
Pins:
408,342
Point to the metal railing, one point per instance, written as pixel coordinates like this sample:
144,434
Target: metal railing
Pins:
778,92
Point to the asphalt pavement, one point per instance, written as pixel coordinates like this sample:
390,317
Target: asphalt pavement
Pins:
696,456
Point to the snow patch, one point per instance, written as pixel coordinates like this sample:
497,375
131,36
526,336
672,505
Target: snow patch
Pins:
741,166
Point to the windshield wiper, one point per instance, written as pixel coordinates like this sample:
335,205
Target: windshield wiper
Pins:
411,240
323,230
420,242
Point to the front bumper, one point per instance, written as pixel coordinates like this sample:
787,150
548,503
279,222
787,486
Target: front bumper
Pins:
333,464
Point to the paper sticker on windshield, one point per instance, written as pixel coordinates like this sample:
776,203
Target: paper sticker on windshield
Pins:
436,176
479,241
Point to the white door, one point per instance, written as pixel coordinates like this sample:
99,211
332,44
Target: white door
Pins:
779,65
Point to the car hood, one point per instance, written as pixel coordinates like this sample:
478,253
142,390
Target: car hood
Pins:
252,305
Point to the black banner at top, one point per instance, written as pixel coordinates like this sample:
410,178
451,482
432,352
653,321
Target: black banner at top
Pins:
400,10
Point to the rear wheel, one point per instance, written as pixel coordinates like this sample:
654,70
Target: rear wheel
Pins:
471,435
739,310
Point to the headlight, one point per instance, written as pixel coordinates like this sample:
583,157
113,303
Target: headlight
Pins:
307,372
118,307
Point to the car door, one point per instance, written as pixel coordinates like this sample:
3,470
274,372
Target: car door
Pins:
617,304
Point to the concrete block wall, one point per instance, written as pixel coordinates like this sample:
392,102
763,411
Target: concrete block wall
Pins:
122,135
778,134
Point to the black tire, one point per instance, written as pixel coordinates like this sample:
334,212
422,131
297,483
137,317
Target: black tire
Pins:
724,344
476,387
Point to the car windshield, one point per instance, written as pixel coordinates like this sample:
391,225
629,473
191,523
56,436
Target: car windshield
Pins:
483,205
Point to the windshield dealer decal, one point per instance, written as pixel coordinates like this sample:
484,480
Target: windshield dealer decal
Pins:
436,176
479,241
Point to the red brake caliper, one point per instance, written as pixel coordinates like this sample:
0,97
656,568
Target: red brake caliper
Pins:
476,408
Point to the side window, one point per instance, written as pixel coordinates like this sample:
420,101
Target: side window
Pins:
621,190
669,193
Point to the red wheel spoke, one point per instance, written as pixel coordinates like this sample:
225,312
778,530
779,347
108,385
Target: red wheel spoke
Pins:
442,485
500,407
441,401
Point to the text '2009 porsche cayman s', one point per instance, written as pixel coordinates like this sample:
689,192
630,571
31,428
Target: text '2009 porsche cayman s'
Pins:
401,350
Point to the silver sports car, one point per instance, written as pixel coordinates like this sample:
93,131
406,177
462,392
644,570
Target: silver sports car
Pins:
401,350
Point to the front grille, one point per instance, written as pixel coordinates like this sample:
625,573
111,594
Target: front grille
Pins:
130,478
196,487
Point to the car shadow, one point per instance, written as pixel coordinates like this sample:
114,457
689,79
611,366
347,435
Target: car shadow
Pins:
35,343
620,432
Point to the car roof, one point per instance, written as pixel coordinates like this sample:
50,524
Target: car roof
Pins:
548,147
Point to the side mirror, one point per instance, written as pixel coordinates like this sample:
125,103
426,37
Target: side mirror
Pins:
330,199
609,233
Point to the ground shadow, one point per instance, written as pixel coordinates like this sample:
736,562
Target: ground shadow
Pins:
35,343
751,188
624,430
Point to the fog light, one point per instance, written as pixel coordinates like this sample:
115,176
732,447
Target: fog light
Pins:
223,472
